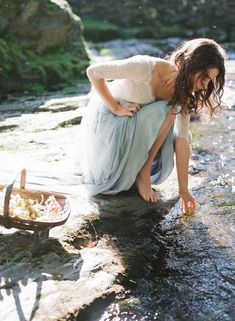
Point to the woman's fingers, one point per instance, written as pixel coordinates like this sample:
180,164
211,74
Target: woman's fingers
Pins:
188,204
133,109
188,207
127,110
130,111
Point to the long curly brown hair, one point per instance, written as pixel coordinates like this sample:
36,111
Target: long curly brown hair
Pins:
197,56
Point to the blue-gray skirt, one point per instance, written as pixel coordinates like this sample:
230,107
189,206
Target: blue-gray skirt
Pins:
113,149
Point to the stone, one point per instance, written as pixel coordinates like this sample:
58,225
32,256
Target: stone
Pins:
64,104
41,45
50,23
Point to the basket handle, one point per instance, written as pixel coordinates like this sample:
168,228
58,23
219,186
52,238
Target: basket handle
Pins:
9,187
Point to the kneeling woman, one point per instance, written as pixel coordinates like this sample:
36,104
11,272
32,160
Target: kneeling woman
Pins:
131,122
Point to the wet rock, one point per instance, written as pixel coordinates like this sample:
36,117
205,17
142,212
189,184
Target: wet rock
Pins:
34,123
196,170
50,23
41,45
5,127
64,104
158,263
81,261
72,121
53,275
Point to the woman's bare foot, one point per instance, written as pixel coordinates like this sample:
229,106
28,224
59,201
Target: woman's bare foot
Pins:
144,187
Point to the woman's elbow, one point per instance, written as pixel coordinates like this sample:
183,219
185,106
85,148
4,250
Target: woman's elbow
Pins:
89,71
92,73
182,141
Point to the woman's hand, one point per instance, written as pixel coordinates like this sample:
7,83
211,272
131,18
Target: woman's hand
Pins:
126,110
187,202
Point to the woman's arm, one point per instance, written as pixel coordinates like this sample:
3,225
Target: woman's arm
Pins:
134,68
101,87
182,150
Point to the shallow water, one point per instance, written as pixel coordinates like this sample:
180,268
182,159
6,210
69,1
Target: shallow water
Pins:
184,268
180,267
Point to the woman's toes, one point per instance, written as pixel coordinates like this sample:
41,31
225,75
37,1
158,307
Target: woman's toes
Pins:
156,198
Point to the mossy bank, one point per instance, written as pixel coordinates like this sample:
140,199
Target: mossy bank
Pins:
41,46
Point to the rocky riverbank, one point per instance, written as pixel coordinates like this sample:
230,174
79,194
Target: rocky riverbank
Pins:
118,257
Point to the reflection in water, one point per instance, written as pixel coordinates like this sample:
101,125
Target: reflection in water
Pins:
190,276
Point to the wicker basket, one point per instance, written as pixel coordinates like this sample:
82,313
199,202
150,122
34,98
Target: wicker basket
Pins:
30,224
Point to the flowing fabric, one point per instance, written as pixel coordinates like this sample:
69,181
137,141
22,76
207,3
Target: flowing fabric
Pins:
112,149
120,147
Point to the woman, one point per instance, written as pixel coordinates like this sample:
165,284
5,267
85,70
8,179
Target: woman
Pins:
133,123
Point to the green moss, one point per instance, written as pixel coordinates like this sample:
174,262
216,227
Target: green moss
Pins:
35,89
97,24
22,70
55,67
97,30
137,32
11,56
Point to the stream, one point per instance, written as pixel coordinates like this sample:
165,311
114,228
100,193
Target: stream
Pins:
182,268
178,267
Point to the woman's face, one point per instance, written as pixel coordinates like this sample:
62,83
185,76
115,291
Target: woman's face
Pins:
200,82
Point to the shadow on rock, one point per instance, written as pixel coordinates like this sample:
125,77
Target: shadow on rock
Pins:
26,270
129,221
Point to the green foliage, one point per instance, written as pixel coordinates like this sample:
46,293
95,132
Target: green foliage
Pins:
172,31
35,89
11,56
24,70
97,24
97,30
55,67
137,32
196,17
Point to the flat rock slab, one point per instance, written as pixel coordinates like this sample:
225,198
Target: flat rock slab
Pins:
81,261
33,103
62,274
176,264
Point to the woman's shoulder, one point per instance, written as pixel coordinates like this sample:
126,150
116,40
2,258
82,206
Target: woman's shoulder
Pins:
164,65
161,65
145,58
148,62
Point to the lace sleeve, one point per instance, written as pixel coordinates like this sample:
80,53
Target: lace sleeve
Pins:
181,126
135,68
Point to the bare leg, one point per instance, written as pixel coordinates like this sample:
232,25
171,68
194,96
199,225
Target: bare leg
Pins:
143,178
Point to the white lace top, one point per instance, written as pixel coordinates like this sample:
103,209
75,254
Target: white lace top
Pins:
131,82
